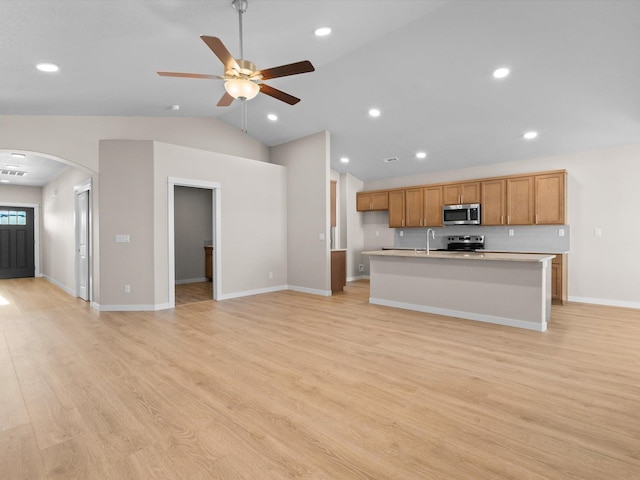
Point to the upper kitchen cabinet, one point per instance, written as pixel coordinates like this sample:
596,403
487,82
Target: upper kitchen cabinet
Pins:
413,207
432,207
493,202
455,193
396,208
550,198
520,200
367,201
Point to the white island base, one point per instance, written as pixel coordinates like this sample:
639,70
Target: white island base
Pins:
506,289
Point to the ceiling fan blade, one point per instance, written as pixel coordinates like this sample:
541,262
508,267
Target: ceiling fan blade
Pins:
217,47
226,100
278,94
189,75
285,70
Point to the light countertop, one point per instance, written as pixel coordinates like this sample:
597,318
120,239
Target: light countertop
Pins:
449,255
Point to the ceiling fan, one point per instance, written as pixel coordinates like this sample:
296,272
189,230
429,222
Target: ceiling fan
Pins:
242,79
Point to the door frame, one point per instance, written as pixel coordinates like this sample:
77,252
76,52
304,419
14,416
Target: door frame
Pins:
85,186
36,232
216,234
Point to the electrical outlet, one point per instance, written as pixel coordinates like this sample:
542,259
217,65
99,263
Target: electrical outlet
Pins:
127,289
402,233
361,268
377,233
321,237
511,232
561,232
270,274
597,232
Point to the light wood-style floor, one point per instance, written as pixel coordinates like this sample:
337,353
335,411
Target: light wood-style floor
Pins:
294,386
193,292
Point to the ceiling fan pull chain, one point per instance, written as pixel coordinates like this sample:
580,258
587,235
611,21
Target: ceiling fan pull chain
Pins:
243,109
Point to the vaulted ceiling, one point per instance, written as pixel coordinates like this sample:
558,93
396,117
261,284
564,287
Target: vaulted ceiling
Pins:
426,65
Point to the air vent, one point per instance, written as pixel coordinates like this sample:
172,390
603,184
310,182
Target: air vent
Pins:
390,159
13,173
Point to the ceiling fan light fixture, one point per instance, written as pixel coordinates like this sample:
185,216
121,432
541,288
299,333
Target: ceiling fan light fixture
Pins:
241,88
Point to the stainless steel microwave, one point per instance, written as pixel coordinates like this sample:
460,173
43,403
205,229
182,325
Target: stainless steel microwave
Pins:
465,214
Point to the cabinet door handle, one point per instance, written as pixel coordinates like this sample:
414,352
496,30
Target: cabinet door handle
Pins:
501,219
536,218
508,219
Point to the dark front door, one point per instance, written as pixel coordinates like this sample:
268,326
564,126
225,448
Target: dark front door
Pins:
16,242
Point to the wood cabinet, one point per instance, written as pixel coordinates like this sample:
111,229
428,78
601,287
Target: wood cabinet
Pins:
367,201
396,208
534,199
338,270
455,193
413,207
550,199
432,208
559,279
208,263
493,202
520,201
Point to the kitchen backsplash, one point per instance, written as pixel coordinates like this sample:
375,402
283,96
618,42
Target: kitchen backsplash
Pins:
530,238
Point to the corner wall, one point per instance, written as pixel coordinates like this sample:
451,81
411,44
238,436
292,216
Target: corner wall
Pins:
307,162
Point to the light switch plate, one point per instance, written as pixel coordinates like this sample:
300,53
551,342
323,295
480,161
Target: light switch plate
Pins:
321,236
122,239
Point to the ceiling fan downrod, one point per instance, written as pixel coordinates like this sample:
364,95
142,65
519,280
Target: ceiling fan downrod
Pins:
241,7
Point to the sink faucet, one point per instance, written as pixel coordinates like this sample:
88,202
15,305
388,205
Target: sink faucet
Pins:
433,236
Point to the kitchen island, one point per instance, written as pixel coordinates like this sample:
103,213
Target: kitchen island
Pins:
503,288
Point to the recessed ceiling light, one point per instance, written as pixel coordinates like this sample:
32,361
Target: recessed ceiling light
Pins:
47,67
273,117
18,155
322,31
374,112
421,155
11,167
530,135
344,160
501,72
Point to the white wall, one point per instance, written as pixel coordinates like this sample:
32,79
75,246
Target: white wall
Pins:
253,224
354,226
126,208
307,162
57,236
17,194
75,139
602,193
193,227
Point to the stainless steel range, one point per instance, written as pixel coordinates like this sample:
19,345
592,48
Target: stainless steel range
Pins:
465,243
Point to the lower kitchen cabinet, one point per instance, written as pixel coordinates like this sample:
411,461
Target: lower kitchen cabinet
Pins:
559,279
338,270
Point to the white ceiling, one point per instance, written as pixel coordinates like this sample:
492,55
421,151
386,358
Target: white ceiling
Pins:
30,171
427,65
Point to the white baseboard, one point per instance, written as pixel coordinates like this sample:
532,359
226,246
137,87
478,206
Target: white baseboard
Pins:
59,285
313,291
246,293
604,301
510,322
131,308
359,277
191,280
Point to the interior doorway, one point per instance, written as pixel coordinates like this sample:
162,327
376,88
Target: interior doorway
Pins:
193,242
215,235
